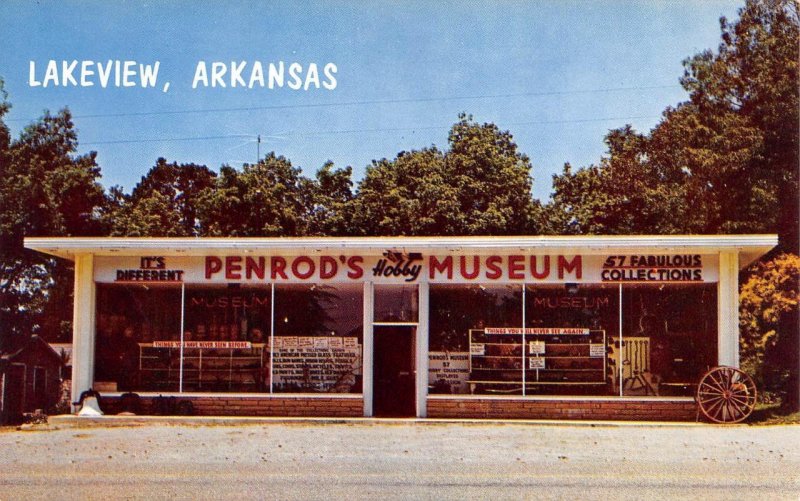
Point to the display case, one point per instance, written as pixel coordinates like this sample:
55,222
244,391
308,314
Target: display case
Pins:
236,366
504,360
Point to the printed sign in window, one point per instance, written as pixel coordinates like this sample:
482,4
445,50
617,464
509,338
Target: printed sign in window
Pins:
536,363
536,347
597,350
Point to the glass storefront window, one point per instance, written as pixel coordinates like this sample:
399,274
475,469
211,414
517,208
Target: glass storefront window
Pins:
129,319
463,358
226,338
565,339
396,303
318,338
669,337
568,338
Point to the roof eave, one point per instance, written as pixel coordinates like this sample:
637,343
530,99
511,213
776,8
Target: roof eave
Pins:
750,247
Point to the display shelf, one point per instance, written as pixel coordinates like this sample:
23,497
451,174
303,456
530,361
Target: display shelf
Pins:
221,366
536,357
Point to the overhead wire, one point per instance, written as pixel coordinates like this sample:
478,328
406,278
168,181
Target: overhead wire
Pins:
359,103
353,131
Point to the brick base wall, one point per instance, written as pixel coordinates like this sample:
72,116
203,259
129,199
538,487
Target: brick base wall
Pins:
245,406
621,410
474,408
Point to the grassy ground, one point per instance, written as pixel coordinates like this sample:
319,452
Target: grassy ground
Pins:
772,414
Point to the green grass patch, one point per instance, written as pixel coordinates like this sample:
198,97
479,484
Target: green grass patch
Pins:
773,414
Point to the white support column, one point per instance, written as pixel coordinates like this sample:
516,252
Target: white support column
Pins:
83,326
366,366
728,309
422,351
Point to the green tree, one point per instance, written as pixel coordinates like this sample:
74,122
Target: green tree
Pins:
706,157
750,87
329,204
45,190
405,196
492,180
164,203
624,194
480,186
726,161
265,199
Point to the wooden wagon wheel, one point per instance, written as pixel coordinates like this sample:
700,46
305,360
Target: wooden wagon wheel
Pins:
726,395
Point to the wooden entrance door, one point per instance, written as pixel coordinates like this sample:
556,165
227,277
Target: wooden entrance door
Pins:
393,371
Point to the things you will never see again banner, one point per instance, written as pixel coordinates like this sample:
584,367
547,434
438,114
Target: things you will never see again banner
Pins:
415,267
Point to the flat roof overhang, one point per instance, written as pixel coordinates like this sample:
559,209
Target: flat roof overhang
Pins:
749,247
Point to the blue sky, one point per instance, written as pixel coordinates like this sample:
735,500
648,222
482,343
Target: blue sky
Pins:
558,75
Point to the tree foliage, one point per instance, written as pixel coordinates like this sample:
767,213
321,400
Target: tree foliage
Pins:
625,193
725,161
405,196
45,190
480,186
265,199
768,304
749,87
328,202
164,203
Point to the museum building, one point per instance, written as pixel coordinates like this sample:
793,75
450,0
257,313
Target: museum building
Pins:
566,327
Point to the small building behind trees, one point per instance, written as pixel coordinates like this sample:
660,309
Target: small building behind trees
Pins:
30,379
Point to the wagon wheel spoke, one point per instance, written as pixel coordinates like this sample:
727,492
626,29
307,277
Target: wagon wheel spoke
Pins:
734,409
720,412
710,396
727,376
742,410
719,383
705,395
711,403
714,412
716,408
740,394
710,389
739,400
726,413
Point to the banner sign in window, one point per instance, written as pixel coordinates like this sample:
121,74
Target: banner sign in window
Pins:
234,345
547,331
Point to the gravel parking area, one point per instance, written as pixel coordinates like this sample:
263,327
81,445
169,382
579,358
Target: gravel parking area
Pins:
400,460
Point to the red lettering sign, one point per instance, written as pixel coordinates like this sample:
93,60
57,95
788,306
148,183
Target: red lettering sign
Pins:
444,266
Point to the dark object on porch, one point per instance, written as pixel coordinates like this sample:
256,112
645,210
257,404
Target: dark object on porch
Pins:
171,406
29,380
130,403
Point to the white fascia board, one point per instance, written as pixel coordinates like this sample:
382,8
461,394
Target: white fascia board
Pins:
750,247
